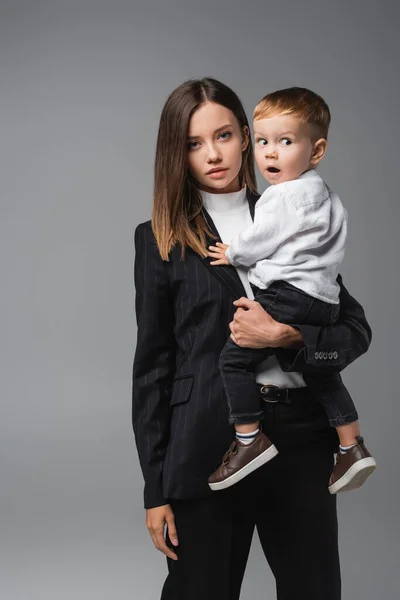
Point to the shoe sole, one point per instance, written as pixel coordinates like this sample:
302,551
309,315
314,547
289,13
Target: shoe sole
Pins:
257,462
355,476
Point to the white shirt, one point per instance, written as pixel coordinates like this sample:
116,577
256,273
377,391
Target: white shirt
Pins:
298,236
231,215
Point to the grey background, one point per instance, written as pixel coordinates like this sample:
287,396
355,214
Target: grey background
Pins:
82,87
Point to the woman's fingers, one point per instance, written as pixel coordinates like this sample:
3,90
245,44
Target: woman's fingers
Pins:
157,536
172,533
155,521
218,252
253,327
219,246
244,302
233,337
215,250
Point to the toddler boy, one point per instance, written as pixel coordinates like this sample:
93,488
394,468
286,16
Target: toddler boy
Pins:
293,250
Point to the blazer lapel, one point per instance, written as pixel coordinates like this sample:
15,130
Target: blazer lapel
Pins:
226,273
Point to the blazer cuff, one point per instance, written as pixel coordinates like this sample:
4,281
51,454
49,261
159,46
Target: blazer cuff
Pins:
153,495
312,357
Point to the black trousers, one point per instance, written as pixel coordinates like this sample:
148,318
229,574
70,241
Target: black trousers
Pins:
292,306
286,500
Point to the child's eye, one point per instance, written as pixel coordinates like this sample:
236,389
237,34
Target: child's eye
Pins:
225,135
262,142
286,141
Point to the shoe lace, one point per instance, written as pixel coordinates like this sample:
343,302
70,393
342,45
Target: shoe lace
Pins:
233,449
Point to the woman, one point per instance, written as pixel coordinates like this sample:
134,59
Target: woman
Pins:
205,191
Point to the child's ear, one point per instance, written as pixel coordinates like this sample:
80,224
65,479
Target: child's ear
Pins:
245,137
319,151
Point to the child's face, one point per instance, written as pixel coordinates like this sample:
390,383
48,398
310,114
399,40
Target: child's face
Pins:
283,148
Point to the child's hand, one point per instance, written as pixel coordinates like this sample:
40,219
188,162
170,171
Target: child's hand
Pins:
218,252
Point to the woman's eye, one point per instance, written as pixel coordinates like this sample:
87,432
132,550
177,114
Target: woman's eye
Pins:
286,141
192,145
225,135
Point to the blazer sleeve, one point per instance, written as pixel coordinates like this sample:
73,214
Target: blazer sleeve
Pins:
331,348
154,362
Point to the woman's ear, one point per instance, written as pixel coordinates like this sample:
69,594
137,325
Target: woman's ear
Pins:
245,137
319,151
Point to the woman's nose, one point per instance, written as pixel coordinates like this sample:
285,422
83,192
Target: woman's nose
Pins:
213,153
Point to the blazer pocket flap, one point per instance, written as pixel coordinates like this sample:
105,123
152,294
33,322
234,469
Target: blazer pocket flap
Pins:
181,388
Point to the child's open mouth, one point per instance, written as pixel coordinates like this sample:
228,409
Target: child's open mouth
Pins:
273,170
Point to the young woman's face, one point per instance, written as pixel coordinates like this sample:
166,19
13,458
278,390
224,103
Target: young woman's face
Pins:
215,146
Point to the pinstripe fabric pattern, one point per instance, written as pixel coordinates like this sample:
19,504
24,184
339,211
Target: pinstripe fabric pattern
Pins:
179,410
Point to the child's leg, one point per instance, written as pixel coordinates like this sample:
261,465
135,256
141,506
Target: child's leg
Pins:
237,367
331,392
247,433
247,428
251,448
348,433
354,463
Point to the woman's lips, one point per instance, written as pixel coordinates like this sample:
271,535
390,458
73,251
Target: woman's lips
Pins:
217,174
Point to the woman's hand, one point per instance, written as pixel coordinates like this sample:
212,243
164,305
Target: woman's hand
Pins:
156,519
218,252
253,327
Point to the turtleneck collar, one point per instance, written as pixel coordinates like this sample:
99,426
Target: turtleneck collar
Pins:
231,203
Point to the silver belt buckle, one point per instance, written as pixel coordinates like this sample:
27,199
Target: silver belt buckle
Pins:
268,385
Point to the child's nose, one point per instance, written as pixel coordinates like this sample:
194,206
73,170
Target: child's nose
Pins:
271,153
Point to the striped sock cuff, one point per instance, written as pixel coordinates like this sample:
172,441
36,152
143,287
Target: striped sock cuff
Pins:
247,436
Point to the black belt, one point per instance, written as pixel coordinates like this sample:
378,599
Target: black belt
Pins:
273,394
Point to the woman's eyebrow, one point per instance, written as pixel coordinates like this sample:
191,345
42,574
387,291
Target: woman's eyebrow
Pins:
223,127
195,137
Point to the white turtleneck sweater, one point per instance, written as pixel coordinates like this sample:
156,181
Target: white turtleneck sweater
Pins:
231,215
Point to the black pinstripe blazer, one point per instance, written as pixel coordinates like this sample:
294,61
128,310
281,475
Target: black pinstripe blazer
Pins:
180,414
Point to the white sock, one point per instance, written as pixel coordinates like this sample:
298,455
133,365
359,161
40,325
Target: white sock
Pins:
247,438
343,449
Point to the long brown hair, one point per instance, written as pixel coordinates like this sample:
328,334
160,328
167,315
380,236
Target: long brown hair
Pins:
177,217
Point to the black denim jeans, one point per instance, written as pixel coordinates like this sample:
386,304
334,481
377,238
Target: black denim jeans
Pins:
290,305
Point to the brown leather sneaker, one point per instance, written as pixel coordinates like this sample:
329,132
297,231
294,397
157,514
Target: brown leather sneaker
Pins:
352,468
241,460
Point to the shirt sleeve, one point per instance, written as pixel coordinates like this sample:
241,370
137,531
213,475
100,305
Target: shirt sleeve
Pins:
275,221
